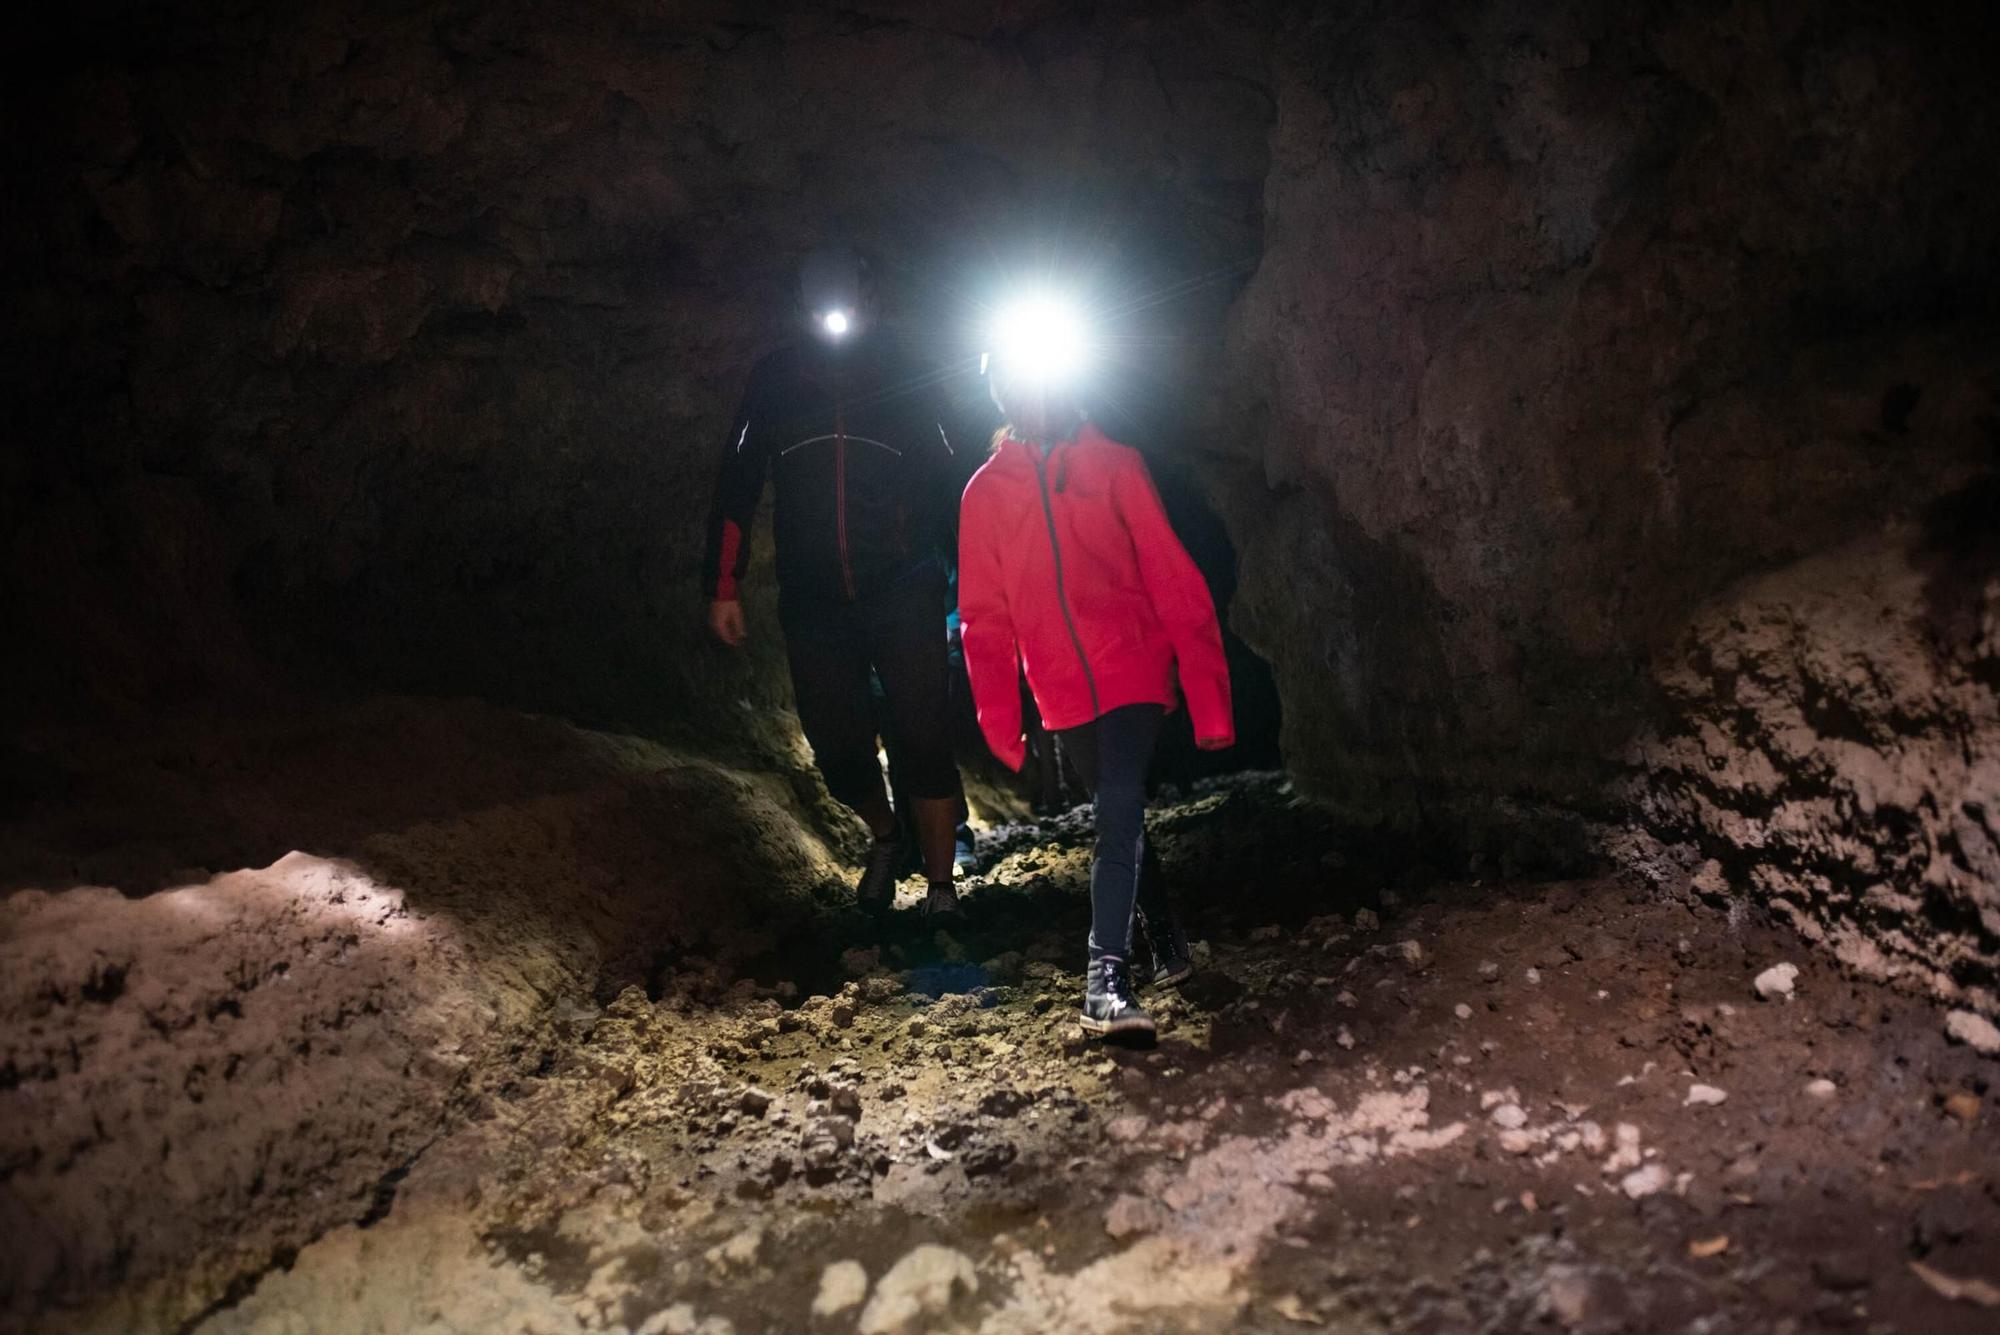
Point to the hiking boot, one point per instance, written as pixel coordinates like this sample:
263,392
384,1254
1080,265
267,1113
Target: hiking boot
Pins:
941,901
1167,945
875,892
963,854
1108,1004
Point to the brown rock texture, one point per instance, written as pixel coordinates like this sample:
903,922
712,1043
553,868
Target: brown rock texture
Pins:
1569,319
1835,757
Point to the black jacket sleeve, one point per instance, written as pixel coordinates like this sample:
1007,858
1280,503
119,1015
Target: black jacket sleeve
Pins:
962,447
745,460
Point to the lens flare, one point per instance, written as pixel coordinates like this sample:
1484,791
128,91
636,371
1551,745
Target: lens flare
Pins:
835,323
1042,339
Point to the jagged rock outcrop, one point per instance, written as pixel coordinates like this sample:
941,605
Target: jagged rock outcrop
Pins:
1833,752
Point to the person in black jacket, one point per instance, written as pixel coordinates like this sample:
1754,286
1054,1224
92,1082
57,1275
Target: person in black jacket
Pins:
852,428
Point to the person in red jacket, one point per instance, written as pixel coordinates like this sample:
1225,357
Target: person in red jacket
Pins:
1068,569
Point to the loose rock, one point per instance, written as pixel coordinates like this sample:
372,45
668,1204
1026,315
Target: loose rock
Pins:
1974,1030
1642,1182
1776,982
923,1284
841,1285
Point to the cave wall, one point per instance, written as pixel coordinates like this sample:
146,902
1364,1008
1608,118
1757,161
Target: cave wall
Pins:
393,344
1616,380
389,344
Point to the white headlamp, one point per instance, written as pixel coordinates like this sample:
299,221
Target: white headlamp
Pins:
1040,339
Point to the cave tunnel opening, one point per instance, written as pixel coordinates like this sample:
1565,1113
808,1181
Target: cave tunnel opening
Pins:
1571,431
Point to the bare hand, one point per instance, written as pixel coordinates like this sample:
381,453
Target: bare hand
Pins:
725,620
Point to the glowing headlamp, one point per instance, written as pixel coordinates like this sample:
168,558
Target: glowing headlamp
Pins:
1040,340
835,323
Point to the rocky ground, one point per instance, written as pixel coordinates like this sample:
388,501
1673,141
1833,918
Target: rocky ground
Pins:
1440,1107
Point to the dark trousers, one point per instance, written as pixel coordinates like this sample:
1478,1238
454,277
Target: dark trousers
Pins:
837,651
1112,754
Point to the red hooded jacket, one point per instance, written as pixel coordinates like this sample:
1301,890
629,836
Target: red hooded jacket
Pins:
1067,567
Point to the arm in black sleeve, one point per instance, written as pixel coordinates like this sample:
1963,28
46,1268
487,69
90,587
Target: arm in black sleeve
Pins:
737,493
955,406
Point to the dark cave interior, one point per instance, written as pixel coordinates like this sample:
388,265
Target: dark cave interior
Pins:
1587,420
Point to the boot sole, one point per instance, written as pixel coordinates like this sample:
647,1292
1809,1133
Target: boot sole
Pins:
1108,1027
1176,978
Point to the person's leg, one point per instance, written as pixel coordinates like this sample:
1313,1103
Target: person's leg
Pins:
837,713
906,643
1112,754
1121,754
1159,926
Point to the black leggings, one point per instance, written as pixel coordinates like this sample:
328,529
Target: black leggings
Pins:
1113,753
899,634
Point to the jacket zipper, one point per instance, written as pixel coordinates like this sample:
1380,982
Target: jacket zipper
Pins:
1062,595
840,498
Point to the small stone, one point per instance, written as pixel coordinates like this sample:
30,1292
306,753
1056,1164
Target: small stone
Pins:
1822,1088
1489,970
1627,1153
1366,920
1510,1115
1462,1011
1344,1039
1412,953
676,1320
922,1285
740,1250
1568,1295
1776,982
1973,1030
1964,1105
1517,1142
754,1101
1127,1128
841,1285
1290,1307
1704,1096
1133,1214
1643,1182
1533,975
847,1101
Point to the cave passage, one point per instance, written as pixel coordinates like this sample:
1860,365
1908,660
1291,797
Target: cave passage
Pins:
435,872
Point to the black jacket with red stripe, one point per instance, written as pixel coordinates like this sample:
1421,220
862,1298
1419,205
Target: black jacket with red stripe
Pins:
866,473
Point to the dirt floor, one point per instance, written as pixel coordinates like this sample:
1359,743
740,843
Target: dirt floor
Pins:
1380,1105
